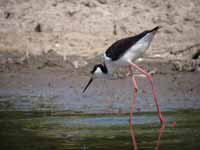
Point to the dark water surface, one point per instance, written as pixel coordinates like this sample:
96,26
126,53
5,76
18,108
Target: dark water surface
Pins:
71,131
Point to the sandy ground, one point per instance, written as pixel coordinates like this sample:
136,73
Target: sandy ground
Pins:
87,28
82,30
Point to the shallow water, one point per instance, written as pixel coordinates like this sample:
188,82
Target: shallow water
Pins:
72,131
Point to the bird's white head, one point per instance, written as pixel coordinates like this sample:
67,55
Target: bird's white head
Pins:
98,71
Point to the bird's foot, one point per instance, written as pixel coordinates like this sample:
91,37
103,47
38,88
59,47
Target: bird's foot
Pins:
136,89
162,119
130,119
173,124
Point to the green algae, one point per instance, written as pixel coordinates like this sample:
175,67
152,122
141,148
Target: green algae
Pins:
72,131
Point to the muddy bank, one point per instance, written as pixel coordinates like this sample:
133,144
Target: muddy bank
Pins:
58,87
53,82
48,47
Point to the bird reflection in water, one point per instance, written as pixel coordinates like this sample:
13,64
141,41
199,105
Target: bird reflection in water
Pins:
132,132
134,141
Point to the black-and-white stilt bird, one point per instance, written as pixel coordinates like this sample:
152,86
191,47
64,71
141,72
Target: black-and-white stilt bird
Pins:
123,53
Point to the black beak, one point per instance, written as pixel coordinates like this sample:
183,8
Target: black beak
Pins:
90,81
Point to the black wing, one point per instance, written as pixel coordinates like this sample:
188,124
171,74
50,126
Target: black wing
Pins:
117,49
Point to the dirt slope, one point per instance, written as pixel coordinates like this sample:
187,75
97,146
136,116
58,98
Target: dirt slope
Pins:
86,28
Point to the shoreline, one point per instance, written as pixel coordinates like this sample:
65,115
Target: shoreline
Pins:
57,86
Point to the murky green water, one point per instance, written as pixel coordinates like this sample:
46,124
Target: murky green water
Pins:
66,131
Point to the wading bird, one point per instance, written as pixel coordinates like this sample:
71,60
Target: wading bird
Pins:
123,53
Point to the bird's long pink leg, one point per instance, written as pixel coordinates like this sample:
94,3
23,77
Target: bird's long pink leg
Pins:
149,77
135,89
160,132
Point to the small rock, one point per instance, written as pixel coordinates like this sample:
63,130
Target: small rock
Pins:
54,4
72,12
78,64
7,15
102,1
57,45
115,29
89,4
177,66
10,61
75,64
38,28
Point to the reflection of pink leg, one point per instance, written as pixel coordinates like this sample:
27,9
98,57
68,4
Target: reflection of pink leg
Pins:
162,120
135,89
160,132
135,147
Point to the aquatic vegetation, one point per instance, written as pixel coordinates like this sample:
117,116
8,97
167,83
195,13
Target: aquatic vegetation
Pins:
61,131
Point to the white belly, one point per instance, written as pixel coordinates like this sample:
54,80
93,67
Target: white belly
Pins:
136,51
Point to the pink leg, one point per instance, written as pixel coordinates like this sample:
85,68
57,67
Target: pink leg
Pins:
160,132
162,120
135,89
135,147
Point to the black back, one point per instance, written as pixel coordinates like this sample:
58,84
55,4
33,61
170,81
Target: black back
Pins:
117,49
102,67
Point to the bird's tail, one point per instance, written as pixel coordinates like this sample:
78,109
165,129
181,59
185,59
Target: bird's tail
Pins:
155,29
